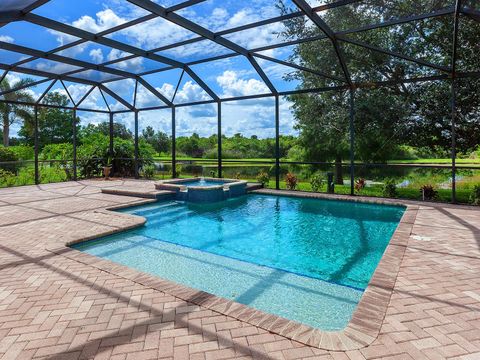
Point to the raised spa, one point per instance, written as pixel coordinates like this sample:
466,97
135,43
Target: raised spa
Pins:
203,189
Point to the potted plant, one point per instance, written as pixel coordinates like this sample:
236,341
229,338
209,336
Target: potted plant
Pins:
291,181
107,169
263,178
428,192
360,184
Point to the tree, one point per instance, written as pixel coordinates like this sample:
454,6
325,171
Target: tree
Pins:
392,115
190,145
322,122
11,112
55,125
159,140
323,118
433,99
119,130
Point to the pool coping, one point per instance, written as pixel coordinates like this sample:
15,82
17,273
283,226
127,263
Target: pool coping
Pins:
360,332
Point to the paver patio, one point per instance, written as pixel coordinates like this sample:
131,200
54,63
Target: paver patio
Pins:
57,308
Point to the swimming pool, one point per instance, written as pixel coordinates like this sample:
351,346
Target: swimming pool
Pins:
307,260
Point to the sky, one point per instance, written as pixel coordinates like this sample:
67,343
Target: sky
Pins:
229,77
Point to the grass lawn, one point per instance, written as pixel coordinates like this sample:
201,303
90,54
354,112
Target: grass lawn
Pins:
473,162
426,161
444,195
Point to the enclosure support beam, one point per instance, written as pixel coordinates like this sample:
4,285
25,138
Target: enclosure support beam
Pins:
110,146
219,138
458,5
352,140
74,139
174,156
35,135
136,144
454,141
277,143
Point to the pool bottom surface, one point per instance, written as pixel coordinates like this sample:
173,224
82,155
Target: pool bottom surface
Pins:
307,300
307,260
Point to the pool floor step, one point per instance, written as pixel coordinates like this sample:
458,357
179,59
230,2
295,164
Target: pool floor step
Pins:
253,186
148,194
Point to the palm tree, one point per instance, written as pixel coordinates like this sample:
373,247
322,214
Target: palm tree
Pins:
11,112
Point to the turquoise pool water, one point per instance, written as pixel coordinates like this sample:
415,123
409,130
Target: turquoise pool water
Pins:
308,260
201,182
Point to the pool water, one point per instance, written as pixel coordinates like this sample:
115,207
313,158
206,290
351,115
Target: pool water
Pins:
201,182
307,260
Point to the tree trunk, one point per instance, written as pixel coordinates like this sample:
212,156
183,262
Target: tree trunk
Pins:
6,129
338,170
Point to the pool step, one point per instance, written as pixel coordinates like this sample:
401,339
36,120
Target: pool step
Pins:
253,186
148,194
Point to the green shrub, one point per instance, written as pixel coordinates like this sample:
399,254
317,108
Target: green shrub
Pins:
475,196
291,181
296,153
178,169
23,152
264,178
63,151
211,154
93,155
389,189
148,171
7,178
230,154
316,181
8,155
26,176
52,174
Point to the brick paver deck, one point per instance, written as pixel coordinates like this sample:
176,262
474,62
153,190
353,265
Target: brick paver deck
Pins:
54,307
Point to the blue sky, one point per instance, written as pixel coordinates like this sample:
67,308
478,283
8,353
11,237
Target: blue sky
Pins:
233,76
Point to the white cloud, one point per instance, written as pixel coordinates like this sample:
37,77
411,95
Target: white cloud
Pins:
219,14
94,101
77,91
116,54
232,85
104,20
191,92
160,120
54,67
134,65
96,55
146,99
6,38
12,78
258,37
167,90
124,88
152,34
200,50
241,17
